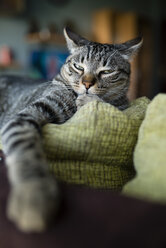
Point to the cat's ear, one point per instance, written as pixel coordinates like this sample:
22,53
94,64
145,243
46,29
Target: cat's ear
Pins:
130,48
74,40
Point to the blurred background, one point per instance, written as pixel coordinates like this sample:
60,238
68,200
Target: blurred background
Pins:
32,43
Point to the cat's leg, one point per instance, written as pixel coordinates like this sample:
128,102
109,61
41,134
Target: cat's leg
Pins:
34,192
85,98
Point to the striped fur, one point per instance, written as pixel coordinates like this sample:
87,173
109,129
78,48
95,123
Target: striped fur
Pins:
92,71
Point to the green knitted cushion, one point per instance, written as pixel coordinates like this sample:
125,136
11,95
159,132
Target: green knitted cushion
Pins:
150,155
95,147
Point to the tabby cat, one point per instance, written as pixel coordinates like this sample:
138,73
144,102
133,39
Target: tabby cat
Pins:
93,71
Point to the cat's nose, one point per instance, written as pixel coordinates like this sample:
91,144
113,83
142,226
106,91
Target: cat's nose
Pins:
88,81
87,84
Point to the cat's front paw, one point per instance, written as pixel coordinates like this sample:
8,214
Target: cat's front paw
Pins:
31,204
85,98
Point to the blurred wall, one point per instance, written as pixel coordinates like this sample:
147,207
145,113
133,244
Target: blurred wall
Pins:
80,11
12,33
13,29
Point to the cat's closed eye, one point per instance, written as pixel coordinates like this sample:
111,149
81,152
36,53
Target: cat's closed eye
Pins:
78,67
114,75
107,72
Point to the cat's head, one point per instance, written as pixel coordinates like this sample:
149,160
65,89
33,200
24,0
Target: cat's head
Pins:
96,68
